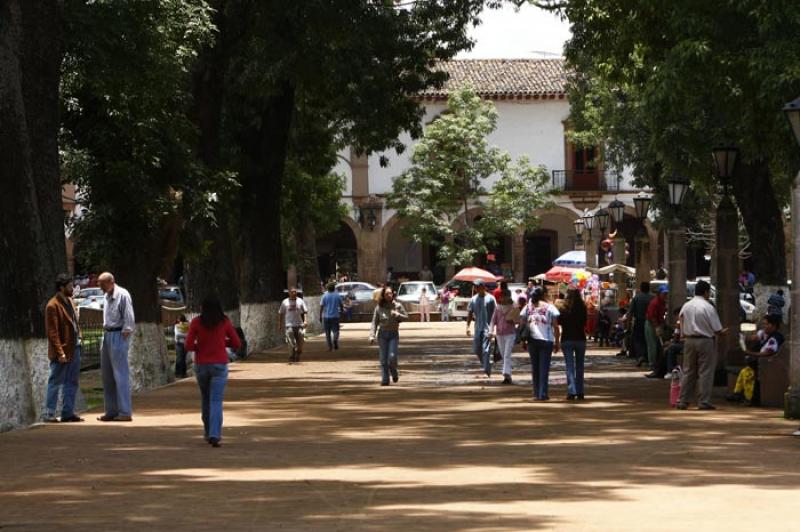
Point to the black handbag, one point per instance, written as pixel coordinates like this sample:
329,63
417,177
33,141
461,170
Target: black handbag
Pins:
523,332
496,354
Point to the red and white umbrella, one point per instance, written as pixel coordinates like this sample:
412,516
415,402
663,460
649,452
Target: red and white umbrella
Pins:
560,274
473,274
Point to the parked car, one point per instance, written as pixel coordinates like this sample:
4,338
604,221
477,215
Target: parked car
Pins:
410,291
359,291
747,311
458,309
92,298
171,293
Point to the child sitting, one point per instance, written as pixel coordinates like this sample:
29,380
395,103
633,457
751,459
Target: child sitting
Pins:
763,343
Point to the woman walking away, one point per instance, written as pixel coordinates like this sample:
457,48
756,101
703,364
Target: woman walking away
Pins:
385,323
503,328
424,305
209,334
573,341
542,320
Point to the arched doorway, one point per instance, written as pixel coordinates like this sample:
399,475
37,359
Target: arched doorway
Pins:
541,249
403,255
338,252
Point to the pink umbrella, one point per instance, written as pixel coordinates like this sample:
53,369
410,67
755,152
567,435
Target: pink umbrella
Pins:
560,274
473,274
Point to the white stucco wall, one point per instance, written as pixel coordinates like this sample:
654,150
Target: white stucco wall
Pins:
533,128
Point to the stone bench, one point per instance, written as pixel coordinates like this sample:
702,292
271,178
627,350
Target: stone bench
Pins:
773,377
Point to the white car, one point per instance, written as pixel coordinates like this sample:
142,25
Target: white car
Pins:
747,309
410,291
92,298
357,290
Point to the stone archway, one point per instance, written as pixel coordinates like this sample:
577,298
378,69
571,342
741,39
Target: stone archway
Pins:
338,252
554,236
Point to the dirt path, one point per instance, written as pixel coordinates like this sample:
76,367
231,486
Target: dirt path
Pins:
320,446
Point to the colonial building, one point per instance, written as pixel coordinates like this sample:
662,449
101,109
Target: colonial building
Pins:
533,120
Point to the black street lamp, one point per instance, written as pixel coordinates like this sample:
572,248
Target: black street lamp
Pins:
725,162
678,186
601,217
641,204
617,210
578,225
588,221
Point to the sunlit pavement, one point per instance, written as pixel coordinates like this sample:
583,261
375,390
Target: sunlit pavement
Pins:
321,446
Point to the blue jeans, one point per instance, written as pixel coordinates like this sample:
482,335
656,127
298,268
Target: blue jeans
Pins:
331,326
481,347
388,344
574,357
540,352
211,378
116,374
180,360
64,376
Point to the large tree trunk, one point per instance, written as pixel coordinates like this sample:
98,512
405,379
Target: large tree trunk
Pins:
763,219
307,258
212,270
137,273
262,278
31,217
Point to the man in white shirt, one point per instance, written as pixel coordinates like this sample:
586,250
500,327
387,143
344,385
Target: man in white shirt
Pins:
700,324
293,313
118,324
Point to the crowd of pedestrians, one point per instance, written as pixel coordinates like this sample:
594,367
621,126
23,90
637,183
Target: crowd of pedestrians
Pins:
500,320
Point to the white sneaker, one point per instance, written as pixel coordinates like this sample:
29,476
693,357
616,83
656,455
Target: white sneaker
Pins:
796,433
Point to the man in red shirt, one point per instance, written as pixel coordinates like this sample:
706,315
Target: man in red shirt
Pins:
497,292
656,312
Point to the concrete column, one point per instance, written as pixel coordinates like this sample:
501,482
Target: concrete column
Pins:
792,409
449,269
643,257
591,252
619,258
518,256
676,245
727,301
371,255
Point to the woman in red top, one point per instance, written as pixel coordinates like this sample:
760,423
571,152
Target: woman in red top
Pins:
209,334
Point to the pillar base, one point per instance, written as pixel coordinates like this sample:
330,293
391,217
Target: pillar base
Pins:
791,409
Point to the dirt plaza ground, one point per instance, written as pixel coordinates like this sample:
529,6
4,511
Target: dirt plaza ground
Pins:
320,446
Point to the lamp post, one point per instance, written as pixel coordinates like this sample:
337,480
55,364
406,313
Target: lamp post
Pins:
591,248
726,262
601,218
578,225
792,110
677,187
641,204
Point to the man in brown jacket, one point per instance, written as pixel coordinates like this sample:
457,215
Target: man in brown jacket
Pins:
64,352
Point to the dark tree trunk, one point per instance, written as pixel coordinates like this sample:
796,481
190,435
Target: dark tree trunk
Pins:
212,269
763,220
306,242
31,217
264,157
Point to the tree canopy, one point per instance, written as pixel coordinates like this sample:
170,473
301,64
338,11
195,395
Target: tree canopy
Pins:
450,167
660,84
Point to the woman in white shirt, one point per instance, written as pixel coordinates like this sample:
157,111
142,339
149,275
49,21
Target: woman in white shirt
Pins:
542,320
424,305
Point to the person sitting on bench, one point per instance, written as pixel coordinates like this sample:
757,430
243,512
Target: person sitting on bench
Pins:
763,343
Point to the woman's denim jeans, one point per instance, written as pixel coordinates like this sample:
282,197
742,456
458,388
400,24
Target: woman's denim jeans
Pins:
540,352
211,378
574,358
388,343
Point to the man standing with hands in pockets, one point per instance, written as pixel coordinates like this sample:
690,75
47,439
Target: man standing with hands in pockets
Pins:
64,352
118,323
699,326
481,309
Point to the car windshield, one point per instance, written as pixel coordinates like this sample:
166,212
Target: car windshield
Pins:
411,289
89,292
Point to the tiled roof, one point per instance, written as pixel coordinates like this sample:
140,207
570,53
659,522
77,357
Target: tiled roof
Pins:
500,79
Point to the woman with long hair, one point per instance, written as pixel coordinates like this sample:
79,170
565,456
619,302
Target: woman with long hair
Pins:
542,320
385,328
209,334
573,341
